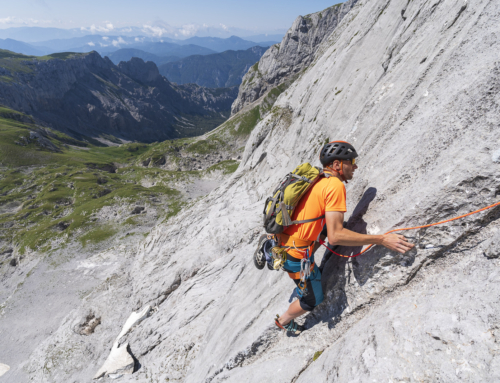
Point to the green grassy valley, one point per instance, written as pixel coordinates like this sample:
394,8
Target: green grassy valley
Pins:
53,188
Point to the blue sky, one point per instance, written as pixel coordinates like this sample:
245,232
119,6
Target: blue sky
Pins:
261,16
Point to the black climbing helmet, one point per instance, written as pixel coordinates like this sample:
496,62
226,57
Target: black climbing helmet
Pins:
337,150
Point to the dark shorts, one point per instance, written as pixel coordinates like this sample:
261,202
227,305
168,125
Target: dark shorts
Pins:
311,294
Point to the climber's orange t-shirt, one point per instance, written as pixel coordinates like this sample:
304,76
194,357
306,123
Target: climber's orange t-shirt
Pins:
328,194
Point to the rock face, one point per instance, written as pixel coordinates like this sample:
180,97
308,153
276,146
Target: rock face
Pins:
85,95
295,52
415,87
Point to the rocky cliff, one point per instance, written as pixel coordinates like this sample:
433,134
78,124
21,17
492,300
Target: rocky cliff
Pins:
282,62
87,96
415,87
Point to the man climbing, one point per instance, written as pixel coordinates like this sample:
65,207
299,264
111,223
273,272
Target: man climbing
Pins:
326,197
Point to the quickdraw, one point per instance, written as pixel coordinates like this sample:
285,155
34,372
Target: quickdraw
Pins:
305,269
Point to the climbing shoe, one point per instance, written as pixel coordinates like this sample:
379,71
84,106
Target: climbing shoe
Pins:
292,327
270,265
259,258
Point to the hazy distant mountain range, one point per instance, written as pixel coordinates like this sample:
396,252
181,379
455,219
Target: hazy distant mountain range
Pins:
105,45
127,53
214,70
170,34
220,45
217,70
20,47
181,61
167,49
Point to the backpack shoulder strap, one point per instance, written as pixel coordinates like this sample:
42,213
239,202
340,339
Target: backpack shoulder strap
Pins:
307,220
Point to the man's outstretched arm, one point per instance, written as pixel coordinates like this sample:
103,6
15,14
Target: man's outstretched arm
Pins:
338,235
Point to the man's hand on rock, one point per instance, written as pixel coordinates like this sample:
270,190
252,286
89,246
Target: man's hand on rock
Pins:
397,242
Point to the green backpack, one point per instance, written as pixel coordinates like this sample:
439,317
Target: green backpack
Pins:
279,208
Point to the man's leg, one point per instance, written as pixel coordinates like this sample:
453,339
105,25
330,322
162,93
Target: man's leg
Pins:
294,311
309,298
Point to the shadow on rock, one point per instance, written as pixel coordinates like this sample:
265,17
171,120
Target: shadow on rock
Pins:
137,364
334,275
337,272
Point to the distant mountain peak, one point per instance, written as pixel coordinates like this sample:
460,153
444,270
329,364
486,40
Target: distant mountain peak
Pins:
137,69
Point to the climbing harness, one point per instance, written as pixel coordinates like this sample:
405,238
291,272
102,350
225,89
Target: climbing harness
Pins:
275,249
412,228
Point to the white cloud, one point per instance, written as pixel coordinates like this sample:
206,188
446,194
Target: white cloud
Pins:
6,20
118,42
139,39
93,28
155,31
162,29
16,20
189,30
91,44
105,38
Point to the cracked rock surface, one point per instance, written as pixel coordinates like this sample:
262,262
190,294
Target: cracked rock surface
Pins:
427,134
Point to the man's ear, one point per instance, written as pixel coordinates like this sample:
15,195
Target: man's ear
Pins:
335,165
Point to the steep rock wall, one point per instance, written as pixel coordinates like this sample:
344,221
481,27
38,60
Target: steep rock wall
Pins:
415,87
296,51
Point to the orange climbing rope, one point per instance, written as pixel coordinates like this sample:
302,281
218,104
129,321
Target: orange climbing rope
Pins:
411,228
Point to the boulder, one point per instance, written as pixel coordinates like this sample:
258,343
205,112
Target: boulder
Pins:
3,369
137,210
119,361
492,246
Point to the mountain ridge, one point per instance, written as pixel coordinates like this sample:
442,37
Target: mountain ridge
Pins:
111,43
218,44
85,95
217,70
37,34
126,54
